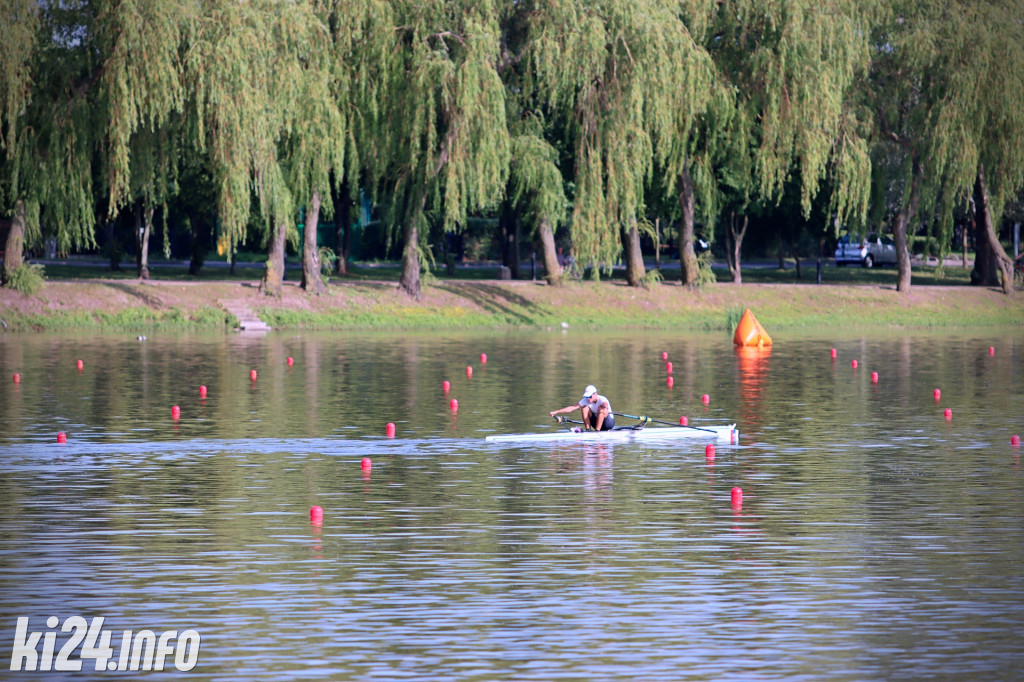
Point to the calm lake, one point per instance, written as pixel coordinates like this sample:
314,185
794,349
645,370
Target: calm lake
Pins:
876,539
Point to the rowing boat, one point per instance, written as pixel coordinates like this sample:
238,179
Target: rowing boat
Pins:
725,433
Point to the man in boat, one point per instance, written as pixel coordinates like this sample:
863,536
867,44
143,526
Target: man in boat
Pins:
597,411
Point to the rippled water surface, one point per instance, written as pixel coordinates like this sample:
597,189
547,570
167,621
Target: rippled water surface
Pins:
876,539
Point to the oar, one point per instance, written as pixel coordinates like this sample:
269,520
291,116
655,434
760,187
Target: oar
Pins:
566,419
658,421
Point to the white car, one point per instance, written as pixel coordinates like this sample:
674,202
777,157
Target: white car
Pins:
870,251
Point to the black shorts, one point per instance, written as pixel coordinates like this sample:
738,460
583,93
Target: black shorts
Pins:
607,425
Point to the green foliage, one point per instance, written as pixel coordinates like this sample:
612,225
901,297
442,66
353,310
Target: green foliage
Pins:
652,278
733,317
585,115
705,275
129,319
327,261
535,182
27,279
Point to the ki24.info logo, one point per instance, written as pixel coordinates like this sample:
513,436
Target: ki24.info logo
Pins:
144,650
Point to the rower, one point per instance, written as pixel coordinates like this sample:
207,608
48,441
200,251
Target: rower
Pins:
597,410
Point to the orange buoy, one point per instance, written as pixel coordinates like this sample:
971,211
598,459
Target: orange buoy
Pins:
749,332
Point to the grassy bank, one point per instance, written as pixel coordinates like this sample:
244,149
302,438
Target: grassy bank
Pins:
780,301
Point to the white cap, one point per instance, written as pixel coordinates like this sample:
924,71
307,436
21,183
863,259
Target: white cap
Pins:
589,391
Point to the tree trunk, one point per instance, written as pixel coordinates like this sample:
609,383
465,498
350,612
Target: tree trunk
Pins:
311,280
14,248
199,245
409,281
734,240
687,257
634,257
343,228
114,246
508,240
513,246
273,278
796,257
991,257
143,227
904,218
963,246
552,270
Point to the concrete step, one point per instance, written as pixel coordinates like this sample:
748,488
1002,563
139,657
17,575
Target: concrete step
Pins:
248,321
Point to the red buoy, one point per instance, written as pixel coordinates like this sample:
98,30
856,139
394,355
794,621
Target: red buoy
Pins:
853,363
669,382
469,371
1015,440
668,367
709,451
483,358
683,421
291,361
252,374
664,355
874,377
706,399
17,378
175,412
80,365
316,515
737,497
202,391
833,353
947,413
62,437
937,394
454,405
445,386
366,463
991,350
389,429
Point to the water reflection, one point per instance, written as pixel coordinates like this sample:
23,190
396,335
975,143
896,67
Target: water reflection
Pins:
753,365
874,537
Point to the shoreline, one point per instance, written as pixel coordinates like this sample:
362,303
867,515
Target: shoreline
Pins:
135,305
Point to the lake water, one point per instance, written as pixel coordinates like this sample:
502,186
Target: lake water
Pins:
876,539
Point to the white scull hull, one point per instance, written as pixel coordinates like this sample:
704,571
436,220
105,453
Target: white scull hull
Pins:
723,434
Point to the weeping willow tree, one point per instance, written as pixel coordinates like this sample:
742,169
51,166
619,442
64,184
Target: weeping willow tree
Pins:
621,74
316,137
19,34
975,127
535,189
445,143
50,68
950,100
246,74
142,83
785,73
362,45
